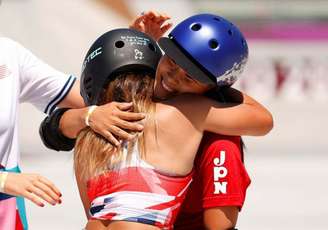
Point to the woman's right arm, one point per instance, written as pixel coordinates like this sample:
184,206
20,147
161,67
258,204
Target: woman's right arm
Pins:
237,119
245,118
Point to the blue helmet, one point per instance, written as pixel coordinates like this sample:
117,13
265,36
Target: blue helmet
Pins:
209,48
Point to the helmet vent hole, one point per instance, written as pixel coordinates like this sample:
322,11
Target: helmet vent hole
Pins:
217,19
230,32
213,44
196,27
151,47
243,42
119,44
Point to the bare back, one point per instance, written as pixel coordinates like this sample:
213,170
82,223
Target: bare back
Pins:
172,146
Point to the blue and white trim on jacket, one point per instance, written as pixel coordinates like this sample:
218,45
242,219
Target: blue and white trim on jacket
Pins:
61,95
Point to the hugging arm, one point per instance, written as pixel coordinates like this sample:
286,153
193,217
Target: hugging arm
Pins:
73,99
245,118
59,130
245,112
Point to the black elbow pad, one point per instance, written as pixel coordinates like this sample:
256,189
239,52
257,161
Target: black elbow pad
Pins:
50,134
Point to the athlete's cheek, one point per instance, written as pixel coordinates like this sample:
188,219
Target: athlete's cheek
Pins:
191,88
187,80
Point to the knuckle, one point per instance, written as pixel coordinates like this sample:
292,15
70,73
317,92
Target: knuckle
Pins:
109,135
120,131
117,131
114,118
126,136
34,182
113,105
114,128
51,184
110,107
114,113
29,187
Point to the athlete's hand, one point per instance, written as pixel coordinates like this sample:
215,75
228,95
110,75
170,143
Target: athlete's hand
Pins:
34,187
152,23
113,119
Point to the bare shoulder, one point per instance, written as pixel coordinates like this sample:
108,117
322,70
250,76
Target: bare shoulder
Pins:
190,107
187,99
180,113
193,103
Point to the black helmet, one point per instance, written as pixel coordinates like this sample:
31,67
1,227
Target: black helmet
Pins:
117,51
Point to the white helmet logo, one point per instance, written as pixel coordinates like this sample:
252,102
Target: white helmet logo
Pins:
138,54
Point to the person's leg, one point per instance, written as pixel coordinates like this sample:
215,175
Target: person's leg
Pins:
118,225
221,218
189,221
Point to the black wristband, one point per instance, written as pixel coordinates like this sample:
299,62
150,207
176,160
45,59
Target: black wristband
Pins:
51,135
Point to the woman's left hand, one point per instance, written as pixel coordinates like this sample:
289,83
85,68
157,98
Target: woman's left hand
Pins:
32,186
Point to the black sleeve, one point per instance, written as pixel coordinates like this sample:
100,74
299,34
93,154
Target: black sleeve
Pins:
225,95
50,134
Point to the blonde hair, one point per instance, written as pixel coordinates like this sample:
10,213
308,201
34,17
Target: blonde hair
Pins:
93,154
